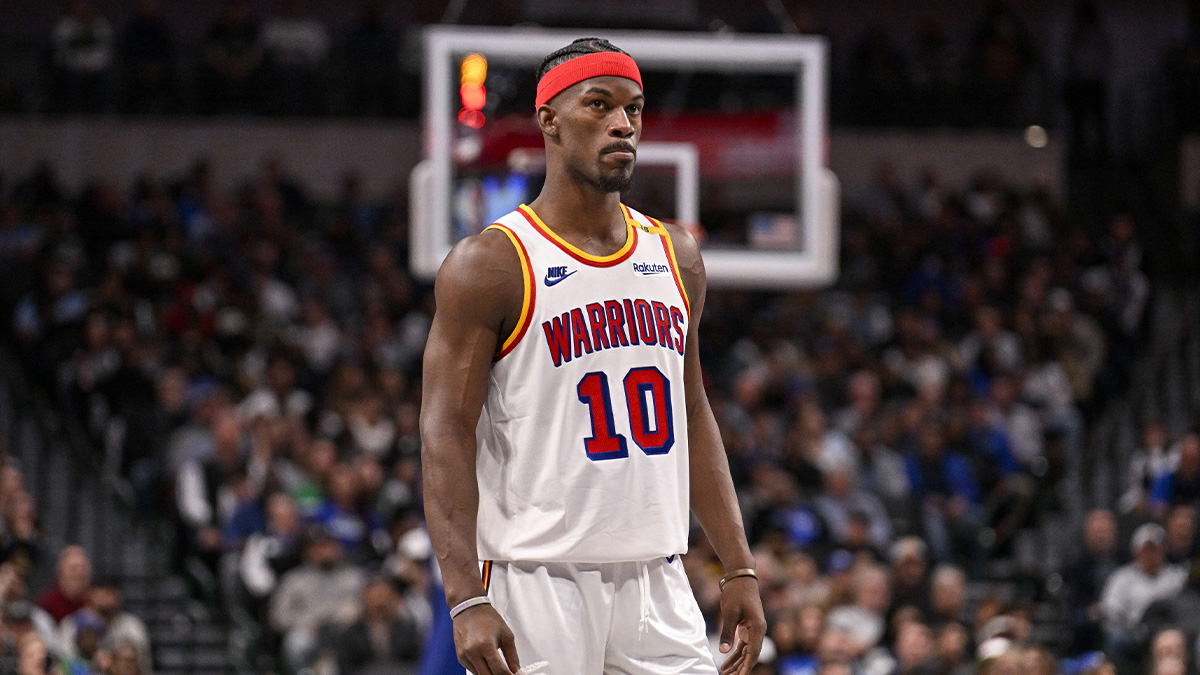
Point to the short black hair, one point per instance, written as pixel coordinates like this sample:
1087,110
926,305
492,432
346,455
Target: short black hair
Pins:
580,47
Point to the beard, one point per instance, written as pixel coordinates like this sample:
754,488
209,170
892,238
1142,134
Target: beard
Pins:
616,183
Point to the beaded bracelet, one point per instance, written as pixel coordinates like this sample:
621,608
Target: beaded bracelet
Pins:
469,603
743,572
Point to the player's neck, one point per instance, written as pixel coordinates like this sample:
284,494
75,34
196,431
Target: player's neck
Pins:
581,214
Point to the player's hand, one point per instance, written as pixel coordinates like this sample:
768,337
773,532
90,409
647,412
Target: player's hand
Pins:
742,625
481,638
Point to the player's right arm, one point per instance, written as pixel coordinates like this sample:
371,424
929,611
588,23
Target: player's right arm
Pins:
478,293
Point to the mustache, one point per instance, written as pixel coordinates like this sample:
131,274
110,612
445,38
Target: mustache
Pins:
619,146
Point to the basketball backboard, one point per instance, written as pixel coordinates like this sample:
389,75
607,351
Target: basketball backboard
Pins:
713,155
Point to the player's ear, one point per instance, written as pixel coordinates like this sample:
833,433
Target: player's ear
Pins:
547,120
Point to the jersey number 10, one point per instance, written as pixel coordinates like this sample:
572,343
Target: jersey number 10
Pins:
650,421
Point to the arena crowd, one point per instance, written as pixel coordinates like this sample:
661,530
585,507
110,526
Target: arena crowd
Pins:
908,445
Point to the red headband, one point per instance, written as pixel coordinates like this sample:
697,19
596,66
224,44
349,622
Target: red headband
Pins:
565,75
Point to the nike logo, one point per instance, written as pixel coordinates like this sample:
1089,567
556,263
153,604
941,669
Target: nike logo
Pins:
555,275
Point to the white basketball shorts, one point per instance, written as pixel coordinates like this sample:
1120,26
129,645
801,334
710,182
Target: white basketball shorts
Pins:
632,618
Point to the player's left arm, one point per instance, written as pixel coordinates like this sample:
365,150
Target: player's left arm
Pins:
713,499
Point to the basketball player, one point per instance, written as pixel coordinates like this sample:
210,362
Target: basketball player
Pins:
565,427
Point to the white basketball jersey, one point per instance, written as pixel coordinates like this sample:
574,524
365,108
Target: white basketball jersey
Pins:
583,447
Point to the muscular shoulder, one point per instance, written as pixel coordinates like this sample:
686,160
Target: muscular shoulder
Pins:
481,276
691,264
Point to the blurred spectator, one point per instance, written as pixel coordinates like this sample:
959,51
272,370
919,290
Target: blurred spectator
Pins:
1021,424
914,650
148,58
1181,486
210,490
866,619
948,597
783,512
76,655
32,655
113,625
350,520
1133,587
272,553
384,638
19,537
72,585
1147,464
82,61
945,487
855,517
231,74
296,46
314,598
910,576
1078,341
14,593
1180,526
127,659
1086,577
990,349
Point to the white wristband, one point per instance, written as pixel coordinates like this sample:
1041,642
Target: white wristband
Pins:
469,603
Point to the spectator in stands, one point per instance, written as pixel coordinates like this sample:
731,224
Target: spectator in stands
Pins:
1133,587
990,349
843,505
383,638
14,593
231,72
296,46
148,58
1086,577
1168,644
953,650
1019,421
914,650
19,536
208,489
72,585
115,626
948,597
1149,462
76,655
1077,340
1180,526
32,655
350,519
315,598
83,57
127,659
269,555
863,390
945,487
783,511
1181,486
910,576
866,619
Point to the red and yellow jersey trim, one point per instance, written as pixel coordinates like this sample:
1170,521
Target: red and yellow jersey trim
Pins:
528,297
486,574
582,256
670,249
